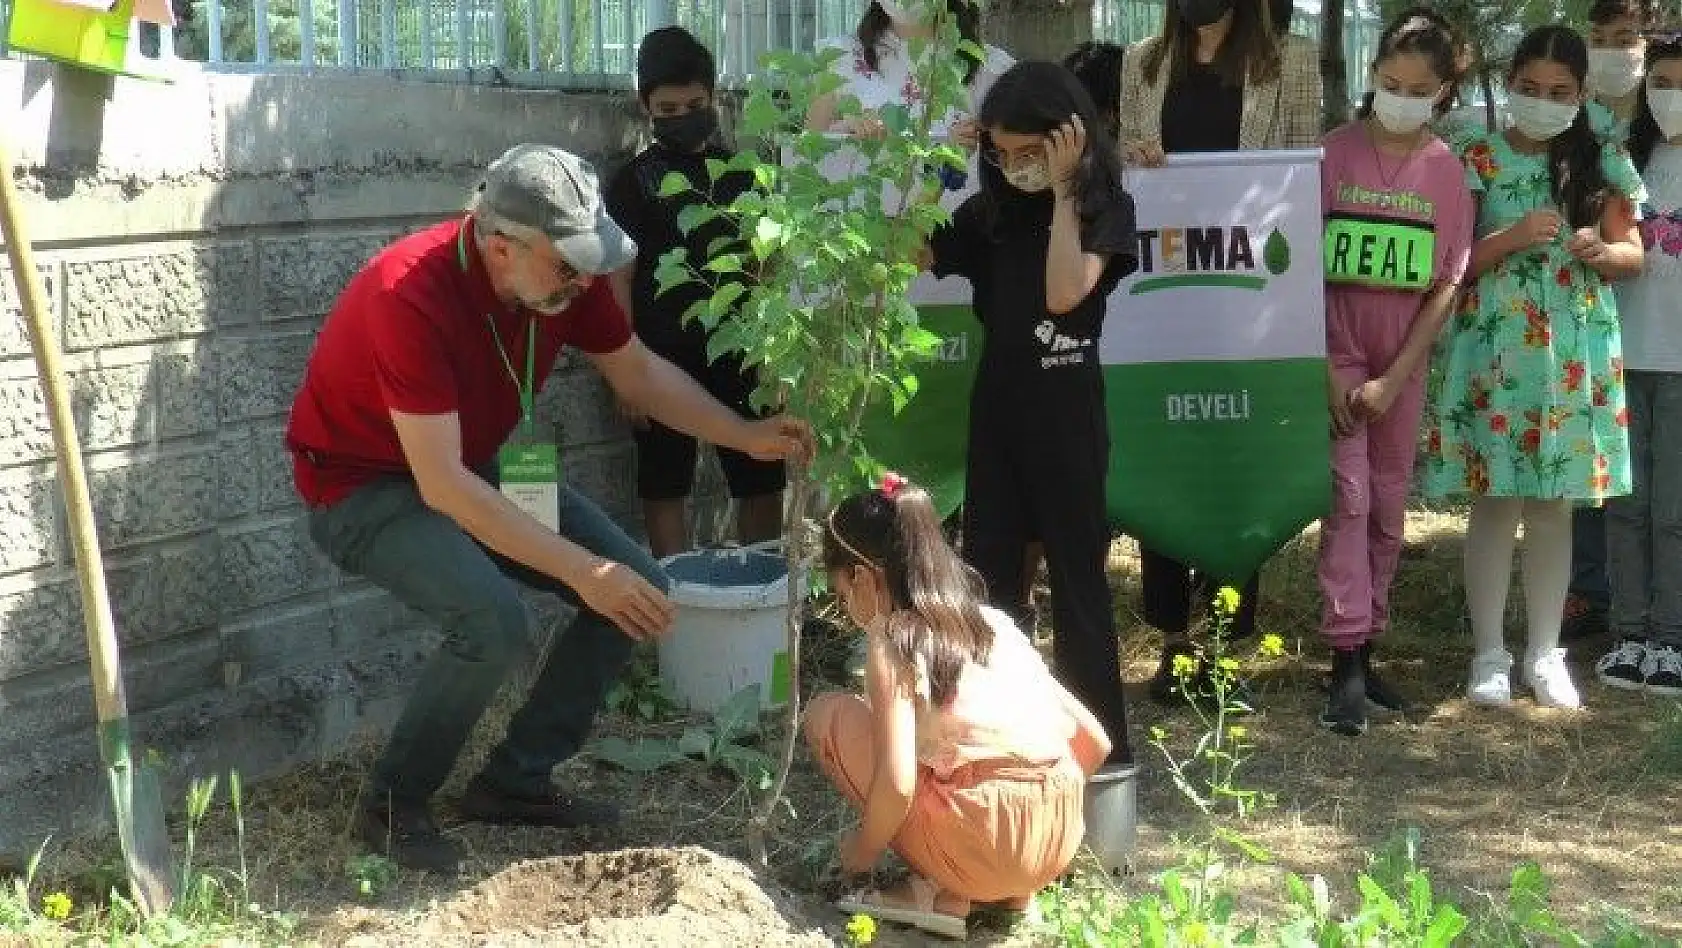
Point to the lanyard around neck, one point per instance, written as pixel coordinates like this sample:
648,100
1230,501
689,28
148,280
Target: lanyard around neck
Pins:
527,390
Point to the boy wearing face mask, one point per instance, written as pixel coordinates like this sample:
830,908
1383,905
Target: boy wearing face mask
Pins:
675,78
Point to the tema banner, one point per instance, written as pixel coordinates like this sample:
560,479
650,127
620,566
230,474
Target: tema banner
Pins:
1214,355
927,441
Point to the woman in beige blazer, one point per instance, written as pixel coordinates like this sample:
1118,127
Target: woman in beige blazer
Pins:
1222,76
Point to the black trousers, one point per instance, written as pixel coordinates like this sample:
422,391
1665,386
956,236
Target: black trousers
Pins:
1040,475
1168,586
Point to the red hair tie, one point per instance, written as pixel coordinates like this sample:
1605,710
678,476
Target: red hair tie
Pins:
892,484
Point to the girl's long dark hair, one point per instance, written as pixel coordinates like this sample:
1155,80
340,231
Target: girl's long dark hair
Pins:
1578,182
1034,98
875,24
1424,32
1250,52
1644,133
934,619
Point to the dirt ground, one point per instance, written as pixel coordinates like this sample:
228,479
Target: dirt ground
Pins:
1591,796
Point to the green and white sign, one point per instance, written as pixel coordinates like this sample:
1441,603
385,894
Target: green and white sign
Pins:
1214,356
927,440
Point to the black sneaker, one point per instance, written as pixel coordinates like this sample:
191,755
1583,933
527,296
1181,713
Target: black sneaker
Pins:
1379,691
1346,707
1664,669
483,803
1625,666
407,835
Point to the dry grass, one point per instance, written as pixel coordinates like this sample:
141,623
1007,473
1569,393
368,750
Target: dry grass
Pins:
1591,796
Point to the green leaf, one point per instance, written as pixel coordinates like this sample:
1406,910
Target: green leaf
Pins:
644,756
725,298
674,184
1175,891
896,118
699,313
1296,892
1276,253
725,263
1445,928
749,765
759,117
672,271
695,742
1419,897
716,169
738,716
693,217
1374,897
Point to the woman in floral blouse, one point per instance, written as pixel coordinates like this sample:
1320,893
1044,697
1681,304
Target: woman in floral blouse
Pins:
876,68
1530,413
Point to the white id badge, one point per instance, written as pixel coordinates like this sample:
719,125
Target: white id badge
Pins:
530,476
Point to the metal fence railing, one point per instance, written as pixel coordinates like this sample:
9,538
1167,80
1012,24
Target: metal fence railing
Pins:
571,42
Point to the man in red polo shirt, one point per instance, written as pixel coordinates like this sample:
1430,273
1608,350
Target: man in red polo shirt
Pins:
414,446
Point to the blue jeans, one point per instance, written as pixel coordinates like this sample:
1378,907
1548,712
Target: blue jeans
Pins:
386,534
1588,556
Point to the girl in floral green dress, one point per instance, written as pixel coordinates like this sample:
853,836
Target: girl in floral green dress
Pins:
1530,416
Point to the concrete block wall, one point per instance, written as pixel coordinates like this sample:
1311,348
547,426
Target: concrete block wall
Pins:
192,237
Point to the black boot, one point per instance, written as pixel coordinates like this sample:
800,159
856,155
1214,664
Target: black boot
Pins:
1379,691
1346,708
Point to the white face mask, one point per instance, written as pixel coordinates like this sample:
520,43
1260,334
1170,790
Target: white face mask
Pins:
1402,114
1540,120
1666,105
1614,73
1030,177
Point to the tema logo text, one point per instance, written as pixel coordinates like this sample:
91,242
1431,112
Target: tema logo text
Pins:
1207,256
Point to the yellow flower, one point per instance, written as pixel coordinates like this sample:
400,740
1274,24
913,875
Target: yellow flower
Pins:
861,930
1228,664
1237,732
1158,734
1184,666
1272,646
1226,600
56,906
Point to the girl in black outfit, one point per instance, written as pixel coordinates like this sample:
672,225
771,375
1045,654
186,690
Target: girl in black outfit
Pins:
1043,245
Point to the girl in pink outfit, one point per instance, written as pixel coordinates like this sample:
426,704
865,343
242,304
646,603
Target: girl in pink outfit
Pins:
1398,235
965,756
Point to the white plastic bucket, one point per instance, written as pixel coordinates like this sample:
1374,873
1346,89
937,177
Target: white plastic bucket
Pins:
731,626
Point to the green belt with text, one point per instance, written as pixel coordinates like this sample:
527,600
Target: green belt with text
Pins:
1380,252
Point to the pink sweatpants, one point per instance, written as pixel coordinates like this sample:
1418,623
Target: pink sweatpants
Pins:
1361,542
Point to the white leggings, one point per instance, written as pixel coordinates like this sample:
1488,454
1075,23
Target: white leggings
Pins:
1490,541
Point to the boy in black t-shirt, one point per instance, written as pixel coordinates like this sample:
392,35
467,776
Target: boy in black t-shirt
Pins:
675,77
